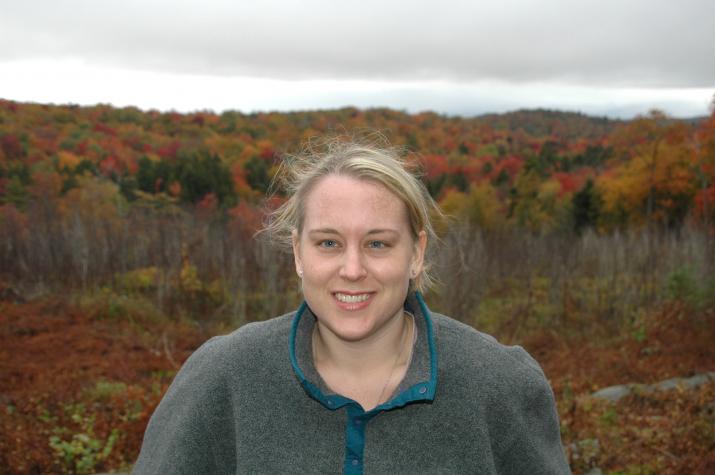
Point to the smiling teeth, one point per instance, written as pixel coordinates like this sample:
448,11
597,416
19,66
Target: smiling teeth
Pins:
352,298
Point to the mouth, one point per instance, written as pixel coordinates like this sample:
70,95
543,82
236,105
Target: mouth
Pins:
353,301
351,298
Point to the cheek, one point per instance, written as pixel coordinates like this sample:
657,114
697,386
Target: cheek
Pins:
317,266
393,271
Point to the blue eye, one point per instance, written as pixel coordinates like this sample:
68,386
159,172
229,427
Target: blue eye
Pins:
329,243
376,244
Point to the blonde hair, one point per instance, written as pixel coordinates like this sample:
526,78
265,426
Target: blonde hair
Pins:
298,174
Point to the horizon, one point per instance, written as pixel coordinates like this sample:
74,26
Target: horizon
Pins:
365,109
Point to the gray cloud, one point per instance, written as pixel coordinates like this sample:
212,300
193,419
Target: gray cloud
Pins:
614,43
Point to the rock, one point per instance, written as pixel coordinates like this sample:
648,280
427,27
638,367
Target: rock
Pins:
668,384
614,393
698,380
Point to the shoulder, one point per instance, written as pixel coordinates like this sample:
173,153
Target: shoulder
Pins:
193,426
504,386
220,367
476,358
256,342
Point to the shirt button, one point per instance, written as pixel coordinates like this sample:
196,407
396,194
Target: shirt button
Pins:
423,390
355,462
358,422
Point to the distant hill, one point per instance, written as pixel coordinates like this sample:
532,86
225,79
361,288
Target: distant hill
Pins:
546,122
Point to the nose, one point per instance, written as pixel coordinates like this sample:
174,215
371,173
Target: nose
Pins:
353,267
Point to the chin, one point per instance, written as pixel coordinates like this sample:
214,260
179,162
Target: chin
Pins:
352,331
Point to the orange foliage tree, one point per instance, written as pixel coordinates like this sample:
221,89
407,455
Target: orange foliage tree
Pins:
654,181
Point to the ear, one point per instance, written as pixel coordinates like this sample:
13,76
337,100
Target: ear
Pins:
418,257
295,238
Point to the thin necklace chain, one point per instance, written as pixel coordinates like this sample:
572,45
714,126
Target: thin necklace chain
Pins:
410,319
397,358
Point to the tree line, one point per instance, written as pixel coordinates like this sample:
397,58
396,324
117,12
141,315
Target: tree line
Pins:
165,205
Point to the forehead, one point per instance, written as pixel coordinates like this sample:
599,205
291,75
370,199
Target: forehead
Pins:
345,202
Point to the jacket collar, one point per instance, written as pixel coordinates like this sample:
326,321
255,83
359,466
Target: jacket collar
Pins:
419,383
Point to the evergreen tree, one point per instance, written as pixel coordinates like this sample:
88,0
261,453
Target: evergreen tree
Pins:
586,207
257,174
145,176
204,173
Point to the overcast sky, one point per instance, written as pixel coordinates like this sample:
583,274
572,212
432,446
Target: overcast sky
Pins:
605,57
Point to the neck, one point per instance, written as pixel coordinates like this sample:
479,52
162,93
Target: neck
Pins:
363,357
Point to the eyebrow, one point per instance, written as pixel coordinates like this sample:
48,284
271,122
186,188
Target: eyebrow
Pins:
371,232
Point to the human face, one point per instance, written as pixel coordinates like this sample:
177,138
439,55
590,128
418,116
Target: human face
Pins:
357,255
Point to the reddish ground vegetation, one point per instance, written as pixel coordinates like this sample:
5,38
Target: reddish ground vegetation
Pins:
662,432
674,341
71,378
63,372
665,432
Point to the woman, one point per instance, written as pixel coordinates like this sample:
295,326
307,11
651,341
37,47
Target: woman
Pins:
363,377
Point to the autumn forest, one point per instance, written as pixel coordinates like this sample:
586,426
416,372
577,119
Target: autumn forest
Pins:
128,237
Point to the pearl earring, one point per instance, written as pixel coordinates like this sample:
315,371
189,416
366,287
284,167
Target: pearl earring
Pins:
300,273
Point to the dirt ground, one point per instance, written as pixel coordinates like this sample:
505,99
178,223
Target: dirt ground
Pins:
76,390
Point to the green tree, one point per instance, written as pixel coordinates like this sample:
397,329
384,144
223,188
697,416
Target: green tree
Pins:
145,176
257,174
16,193
586,207
203,173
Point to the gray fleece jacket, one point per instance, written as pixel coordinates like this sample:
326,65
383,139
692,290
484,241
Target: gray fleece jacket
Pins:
252,402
